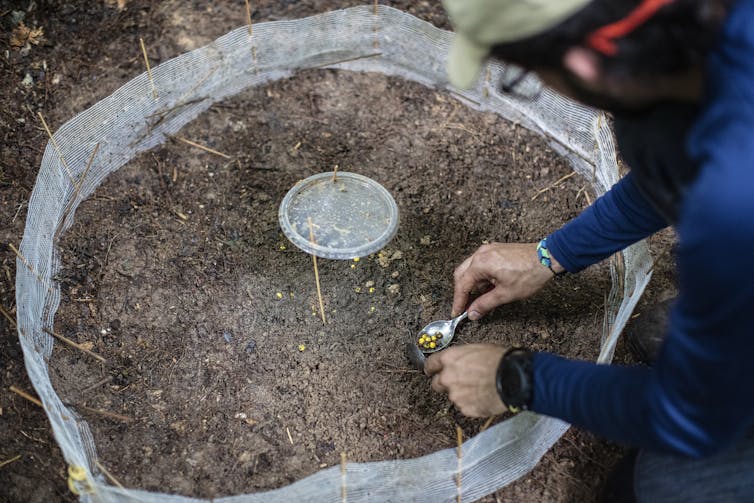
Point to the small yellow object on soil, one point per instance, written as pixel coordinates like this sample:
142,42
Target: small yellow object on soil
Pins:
279,295
356,259
282,247
357,289
372,309
371,289
301,347
353,266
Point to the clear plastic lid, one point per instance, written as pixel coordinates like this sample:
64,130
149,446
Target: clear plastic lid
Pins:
351,215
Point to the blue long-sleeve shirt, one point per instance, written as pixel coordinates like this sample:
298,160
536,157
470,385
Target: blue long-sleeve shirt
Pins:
699,396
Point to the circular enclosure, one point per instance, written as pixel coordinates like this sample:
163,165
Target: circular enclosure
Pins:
338,215
133,121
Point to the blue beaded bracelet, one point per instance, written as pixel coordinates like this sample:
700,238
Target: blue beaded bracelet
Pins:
543,254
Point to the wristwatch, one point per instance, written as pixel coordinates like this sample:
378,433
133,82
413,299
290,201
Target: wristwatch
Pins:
514,379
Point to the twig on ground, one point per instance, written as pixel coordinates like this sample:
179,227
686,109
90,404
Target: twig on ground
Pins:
335,174
9,461
316,272
290,438
399,371
105,413
97,384
57,148
447,120
7,315
25,395
197,145
108,474
74,344
550,187
149,69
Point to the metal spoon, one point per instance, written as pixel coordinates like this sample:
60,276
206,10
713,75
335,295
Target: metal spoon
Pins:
445,327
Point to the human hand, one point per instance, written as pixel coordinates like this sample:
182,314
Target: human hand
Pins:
512,270
468,375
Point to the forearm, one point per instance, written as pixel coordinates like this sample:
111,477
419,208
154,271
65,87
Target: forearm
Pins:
637,406
616,220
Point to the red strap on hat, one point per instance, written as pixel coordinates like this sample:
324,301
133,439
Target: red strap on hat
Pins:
603,39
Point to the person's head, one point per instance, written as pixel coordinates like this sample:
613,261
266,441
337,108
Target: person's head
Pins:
610,53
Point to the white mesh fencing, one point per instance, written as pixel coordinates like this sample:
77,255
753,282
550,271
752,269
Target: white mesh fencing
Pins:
131,121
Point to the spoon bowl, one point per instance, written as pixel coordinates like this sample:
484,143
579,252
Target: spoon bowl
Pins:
444,330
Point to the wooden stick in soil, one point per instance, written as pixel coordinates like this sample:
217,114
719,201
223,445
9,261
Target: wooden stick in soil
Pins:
487,423
108,474
57,148
77,189
202,147
248,17
11,460
316,272
27,264
73,344
459,453
25,395
251,37
343,491
376,28
335,174
149,69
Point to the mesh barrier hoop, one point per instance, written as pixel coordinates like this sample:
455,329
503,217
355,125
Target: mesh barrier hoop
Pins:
362,39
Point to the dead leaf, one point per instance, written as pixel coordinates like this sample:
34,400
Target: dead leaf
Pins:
23,35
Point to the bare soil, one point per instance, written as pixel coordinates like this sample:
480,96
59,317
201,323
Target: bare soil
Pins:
177,273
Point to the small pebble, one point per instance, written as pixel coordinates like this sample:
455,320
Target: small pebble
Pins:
251,347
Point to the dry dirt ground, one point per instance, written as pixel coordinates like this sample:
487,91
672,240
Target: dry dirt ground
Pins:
175,267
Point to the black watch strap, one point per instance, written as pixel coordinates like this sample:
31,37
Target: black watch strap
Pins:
514,379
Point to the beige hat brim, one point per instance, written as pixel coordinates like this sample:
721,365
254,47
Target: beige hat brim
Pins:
465,61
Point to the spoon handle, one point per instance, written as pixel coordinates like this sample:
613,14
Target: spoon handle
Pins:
460,318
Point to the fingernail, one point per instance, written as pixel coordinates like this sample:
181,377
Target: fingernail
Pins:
474,315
